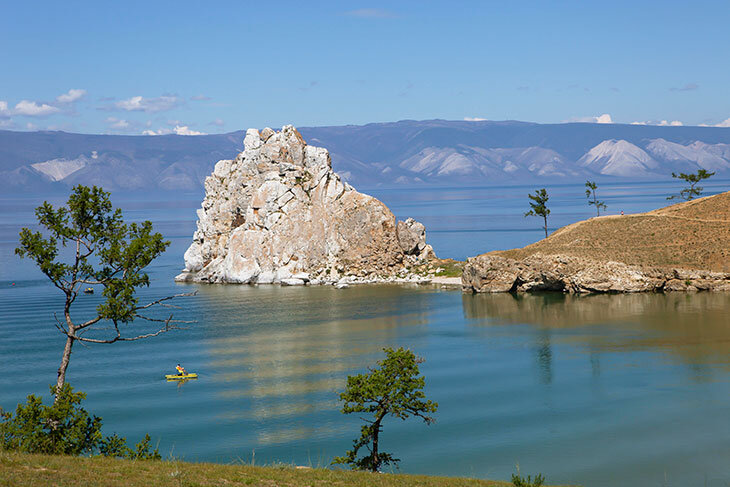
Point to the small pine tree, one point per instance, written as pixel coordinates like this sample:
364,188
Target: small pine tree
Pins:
591,187
396,389
538,205
693,191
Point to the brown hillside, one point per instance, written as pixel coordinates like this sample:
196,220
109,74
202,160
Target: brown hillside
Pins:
690,235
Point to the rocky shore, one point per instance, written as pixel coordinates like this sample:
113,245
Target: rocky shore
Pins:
278,213
683,247
494,274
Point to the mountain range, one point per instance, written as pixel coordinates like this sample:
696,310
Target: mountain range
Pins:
397,154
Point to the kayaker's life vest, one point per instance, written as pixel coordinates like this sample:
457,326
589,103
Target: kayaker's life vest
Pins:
180,370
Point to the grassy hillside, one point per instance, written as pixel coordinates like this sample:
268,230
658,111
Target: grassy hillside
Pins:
690,235
63,471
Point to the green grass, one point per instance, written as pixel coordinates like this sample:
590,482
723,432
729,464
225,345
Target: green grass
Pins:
65,471
450,268
439,268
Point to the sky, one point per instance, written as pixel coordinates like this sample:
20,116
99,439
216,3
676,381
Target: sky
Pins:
158,67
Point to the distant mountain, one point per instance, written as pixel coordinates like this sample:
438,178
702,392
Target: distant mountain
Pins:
431,152
618,158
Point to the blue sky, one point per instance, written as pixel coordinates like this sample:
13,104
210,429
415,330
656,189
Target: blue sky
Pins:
188,67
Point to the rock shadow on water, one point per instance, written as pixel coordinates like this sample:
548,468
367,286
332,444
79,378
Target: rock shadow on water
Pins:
693,329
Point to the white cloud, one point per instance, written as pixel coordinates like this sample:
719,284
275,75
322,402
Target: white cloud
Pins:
6,123
200,98
118,124
474,119
177,130
185,130
33,109
141,104
724,123
662,123
217,122
4,111
72,96
605,118
31,126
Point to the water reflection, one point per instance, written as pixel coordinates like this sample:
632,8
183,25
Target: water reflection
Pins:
281,353
694,328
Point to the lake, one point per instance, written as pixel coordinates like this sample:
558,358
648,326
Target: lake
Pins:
629,390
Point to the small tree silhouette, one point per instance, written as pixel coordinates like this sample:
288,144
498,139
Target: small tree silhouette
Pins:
693,191
538,205
591,192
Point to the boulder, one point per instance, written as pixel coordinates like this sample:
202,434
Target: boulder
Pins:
411,236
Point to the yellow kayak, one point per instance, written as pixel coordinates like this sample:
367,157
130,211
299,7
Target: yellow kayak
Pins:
181,377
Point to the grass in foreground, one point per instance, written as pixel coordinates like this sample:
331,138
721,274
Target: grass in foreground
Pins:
65,471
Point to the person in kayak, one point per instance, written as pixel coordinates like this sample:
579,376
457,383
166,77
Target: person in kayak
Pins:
181,370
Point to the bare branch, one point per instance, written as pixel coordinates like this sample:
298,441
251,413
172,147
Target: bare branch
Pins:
59,325
169,320
88,323
160,301
130,339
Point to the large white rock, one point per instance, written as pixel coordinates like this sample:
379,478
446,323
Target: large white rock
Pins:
278,213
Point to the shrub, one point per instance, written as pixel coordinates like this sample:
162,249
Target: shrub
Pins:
64,428
518,481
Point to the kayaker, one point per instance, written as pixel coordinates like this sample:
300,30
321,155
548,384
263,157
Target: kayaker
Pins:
181,370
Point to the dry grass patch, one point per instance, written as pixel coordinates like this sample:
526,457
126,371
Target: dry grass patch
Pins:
691,235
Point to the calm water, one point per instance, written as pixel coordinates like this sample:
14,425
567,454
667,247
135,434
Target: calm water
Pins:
595,390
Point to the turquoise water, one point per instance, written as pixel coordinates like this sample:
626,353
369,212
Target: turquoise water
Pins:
594,390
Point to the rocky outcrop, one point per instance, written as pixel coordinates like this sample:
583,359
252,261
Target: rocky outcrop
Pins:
278,213
489,273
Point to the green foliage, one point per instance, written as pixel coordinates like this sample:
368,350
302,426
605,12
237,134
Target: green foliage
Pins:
538,206
115,446
692,179
108,251
395,388
518,481
64,428
104,251
591,187
142,450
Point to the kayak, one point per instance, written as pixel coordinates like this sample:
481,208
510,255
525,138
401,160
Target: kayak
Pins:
180,377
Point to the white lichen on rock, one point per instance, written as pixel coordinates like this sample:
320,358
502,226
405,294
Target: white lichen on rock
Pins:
278,213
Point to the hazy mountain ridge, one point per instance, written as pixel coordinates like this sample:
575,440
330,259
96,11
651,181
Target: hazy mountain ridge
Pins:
431,152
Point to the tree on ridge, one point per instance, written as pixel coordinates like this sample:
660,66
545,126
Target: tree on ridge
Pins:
591,191
693,191
538,205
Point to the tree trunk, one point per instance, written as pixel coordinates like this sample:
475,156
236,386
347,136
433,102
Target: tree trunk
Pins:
376,460
376,432
64,364
545,227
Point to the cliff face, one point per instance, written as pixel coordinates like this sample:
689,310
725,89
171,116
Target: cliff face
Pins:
681,247
278,213
493,274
